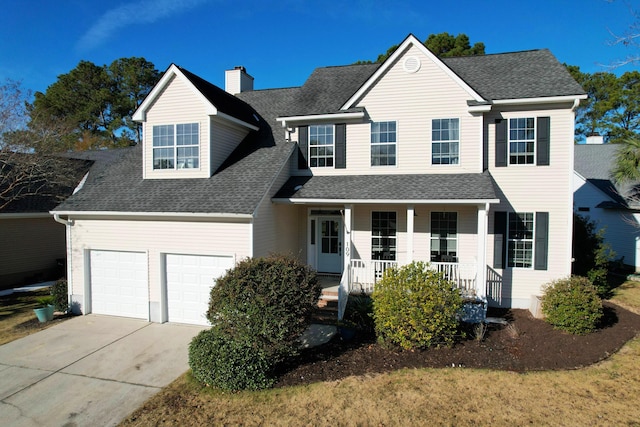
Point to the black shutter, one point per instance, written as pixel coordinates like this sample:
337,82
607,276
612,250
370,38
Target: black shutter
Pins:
541,240
501,142
303,144
341,146
499,239
543,141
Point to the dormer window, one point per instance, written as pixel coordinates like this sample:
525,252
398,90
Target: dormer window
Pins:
176,146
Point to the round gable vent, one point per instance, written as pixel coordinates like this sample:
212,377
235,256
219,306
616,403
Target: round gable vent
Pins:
411,64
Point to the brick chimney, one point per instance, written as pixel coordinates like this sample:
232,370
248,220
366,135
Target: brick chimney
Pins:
237,80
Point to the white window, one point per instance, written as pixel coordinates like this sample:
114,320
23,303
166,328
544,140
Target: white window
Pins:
383,144
522,141
445,141
176,146
520,240
444,236
321,146
383,235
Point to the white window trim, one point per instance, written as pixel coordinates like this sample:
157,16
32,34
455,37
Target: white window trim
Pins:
371,232
535,141
175,148
457,239
455,165
533,240
333,166
378,167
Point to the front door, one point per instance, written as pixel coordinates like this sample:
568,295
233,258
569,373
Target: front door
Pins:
330,245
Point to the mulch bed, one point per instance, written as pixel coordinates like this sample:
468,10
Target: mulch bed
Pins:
525,344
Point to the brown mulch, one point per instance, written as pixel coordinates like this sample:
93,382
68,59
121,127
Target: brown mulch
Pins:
526,344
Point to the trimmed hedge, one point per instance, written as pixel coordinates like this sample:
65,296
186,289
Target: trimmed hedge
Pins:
572,305
258,311
228,363
60,295
415,307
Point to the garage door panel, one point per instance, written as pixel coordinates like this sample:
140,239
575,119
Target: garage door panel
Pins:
119,284
189,282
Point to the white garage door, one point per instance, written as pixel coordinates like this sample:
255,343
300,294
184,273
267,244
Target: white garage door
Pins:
119,284
189,281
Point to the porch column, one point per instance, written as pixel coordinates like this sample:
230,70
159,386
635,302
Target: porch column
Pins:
410,213
481,277
348,225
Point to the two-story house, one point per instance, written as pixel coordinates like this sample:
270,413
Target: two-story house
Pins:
463,162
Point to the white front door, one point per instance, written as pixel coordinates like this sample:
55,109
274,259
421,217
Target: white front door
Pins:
329,245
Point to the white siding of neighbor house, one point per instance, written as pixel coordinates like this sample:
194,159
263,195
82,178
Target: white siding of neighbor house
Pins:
413,100
275,225
226,238
178,103
531,188
225,137
29,246
621,228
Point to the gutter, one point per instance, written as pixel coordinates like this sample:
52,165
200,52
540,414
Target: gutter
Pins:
66,222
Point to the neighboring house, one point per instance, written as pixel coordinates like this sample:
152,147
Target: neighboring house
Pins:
465,162
596,196
32,245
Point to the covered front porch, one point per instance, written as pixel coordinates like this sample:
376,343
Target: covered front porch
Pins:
396,220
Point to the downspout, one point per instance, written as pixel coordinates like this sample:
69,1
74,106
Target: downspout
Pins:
67,223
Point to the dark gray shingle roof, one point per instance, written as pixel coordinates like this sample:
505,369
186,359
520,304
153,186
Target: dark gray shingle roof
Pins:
595,163
528,74
391,187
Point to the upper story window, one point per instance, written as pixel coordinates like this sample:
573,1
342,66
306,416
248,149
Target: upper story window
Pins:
445,141
321,146
520,240
444,236
383,144
383,235
522,141
176,146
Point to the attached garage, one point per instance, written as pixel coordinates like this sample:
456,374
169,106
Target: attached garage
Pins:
189,280
119,284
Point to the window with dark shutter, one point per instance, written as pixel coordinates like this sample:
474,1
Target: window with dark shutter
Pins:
501,143
499,243
341,146
543,141
303,141
541,240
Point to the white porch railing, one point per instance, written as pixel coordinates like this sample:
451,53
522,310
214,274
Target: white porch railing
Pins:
363,275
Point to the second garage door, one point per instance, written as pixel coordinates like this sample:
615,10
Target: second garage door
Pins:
189,281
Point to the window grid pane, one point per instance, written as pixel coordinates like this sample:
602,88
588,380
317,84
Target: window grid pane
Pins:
522,141
444,236
321,146
520,244
445,141
383,236
383,144
181,152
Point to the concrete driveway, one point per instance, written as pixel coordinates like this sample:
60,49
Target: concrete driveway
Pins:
89,370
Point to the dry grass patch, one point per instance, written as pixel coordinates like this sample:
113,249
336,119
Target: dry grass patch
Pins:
604,394
627,296
17,318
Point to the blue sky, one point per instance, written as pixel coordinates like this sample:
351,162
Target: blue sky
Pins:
281,42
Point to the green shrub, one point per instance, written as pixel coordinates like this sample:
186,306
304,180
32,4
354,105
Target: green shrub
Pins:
359,312
60,295
591,254
266,301
572,305
220,360
415,307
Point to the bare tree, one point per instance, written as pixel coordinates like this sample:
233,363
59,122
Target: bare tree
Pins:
630,38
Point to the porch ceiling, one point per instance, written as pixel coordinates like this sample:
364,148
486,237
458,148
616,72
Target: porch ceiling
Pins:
448,188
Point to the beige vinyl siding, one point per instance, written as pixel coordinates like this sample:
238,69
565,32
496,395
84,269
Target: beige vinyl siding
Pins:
224,138
178,103
413,100
531,188
29,246
227,238
275,226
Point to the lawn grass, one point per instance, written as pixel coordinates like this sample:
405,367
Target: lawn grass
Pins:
603,394
17,318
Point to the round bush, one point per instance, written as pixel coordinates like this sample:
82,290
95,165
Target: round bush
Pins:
572,305
266,301
223,361
415,307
